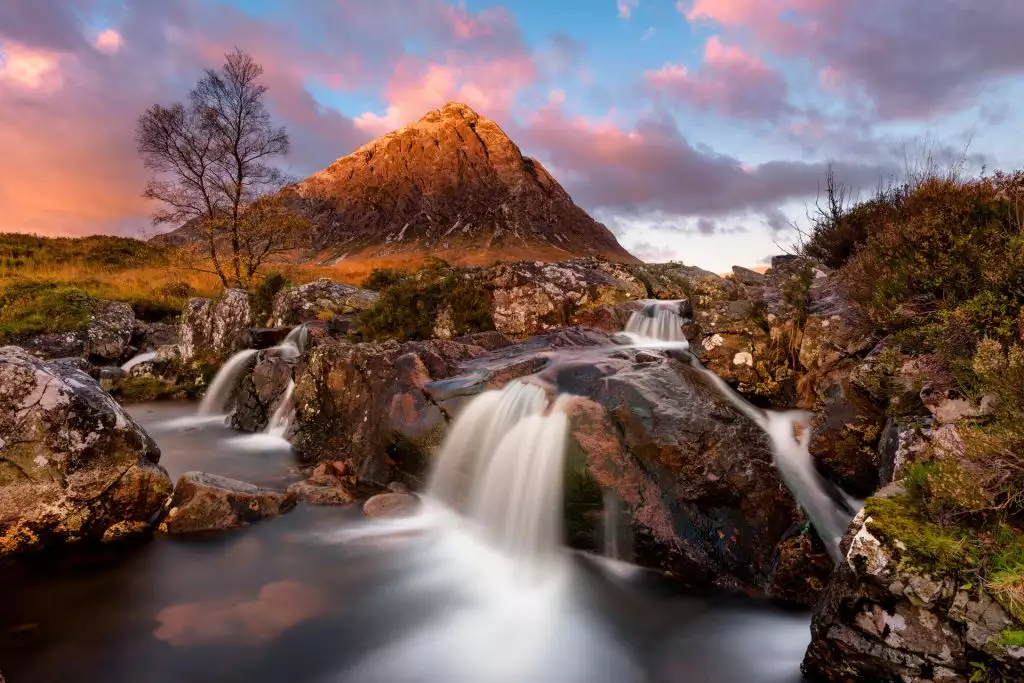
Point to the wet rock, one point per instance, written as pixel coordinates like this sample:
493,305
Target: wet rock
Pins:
800,571
215,327
845,434
73,463
317,299
365,403
209,502
489,341
390,505
328,484
265,337
534,297
882,619
150,336
706,501
607,317
315,494
260,391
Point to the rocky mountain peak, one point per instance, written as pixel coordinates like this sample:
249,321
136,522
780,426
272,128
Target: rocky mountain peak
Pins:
451,184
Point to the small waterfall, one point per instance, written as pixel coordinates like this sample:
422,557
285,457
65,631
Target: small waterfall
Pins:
657,321
295,343
282,417
616,527
829,509
215,401
475,436
139,360
501,467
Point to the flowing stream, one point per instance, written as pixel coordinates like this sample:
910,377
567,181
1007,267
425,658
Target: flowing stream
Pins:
476,587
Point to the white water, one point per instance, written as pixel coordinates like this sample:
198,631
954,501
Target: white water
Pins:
282,417
657,322
826,506
215,401
475,436
138,360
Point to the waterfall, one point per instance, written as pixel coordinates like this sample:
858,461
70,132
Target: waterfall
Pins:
475,436
282,417
829,509
139,360
295,343
656,322
215,401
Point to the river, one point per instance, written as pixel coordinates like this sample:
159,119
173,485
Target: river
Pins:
278,602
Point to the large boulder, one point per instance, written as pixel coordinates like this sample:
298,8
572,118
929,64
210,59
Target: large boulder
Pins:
678,281
215,327
151,336
315,300
105,337
73,463
705,500
365,404
209,502
889,617
535,297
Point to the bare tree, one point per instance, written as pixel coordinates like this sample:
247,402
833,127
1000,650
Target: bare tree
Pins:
213,168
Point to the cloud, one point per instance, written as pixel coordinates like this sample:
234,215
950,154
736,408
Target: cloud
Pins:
729,80
25,68
653,168
626,8
648,34
907,63
109,41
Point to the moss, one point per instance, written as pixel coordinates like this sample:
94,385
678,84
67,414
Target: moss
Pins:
1013,638
31,307
137,389
927,545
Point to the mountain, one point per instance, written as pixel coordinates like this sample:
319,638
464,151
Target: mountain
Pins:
451,185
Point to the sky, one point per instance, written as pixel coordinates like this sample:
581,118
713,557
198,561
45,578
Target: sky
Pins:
696,130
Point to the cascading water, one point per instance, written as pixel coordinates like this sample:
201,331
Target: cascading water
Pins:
828,508
475,436
215,401
282,417
657,322
138,360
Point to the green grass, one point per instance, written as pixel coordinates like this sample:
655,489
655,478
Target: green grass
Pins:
28,307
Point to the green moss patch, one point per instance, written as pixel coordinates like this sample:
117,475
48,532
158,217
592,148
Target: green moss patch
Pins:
31,307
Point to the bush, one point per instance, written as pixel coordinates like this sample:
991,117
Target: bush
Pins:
383,278
30,307
263,297
410,308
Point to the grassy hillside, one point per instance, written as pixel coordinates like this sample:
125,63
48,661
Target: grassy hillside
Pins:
938,268
48,284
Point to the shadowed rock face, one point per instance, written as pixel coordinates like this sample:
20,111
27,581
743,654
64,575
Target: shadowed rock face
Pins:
451,184
73,463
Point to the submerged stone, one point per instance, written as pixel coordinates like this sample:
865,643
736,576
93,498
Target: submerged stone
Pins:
209,502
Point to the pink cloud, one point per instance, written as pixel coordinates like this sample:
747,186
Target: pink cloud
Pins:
415,88
652,167
109,41
729,80
908,62
26,68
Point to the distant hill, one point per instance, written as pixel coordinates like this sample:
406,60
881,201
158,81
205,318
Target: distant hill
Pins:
451,185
